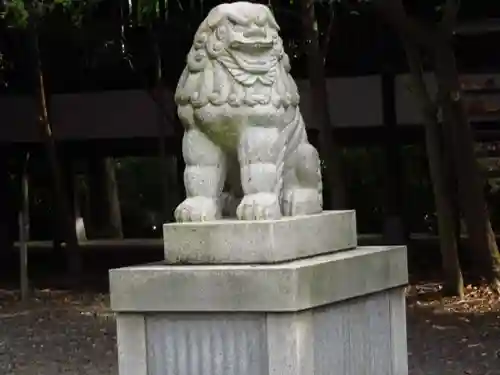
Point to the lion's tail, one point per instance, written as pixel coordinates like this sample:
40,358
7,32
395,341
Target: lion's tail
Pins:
290,138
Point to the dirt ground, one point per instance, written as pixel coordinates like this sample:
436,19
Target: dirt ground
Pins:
74,333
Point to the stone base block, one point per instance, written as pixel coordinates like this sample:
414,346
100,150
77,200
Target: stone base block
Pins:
341,313
361,336
268,241
290,286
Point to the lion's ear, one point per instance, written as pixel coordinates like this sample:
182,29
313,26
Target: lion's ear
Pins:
271,19
214,18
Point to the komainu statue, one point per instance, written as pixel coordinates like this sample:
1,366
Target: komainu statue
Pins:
245,143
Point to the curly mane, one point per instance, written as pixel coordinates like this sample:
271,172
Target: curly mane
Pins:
212,76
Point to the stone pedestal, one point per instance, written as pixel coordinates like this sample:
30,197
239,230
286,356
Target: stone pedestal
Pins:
338,311
260,242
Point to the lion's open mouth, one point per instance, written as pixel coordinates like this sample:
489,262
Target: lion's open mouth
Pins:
254,56
252,47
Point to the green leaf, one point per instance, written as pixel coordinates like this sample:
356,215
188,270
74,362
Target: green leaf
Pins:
147,11
15,14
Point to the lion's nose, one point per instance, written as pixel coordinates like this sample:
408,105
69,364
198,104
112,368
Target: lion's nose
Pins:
254,31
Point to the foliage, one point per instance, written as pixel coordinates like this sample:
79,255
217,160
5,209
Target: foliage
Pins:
15,13
18,13
148,11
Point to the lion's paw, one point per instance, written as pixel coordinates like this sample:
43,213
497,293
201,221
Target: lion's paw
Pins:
197,209
260,206
302,201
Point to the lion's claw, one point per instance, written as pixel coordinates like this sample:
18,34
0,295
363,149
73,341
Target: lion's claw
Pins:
260,206
197,209
301,201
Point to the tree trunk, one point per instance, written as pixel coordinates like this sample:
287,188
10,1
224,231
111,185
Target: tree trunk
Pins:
8,203
456,129
105,217
470,188
393,229
453,280
335,193
24,231
65,219
73,188
115,213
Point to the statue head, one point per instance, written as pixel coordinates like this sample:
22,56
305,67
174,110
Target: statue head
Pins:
234,48
241,33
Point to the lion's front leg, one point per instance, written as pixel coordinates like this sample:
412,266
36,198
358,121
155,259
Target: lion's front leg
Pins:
260,177
203,178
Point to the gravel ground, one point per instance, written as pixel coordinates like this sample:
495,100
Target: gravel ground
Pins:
447,336
64,335
68,334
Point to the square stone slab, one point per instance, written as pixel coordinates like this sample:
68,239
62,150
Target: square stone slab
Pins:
291,286
267,241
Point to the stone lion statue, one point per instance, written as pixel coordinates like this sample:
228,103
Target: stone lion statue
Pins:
245,145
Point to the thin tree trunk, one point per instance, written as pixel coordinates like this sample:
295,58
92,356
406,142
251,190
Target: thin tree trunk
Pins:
335,193
24,231
325,45
73,257
76,193
7,229
115,213
470,188
106,221
393,227
453,280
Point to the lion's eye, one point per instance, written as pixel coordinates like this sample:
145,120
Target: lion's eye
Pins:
260,21
221,32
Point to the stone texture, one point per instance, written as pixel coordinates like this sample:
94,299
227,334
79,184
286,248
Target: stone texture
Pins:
217,344
244,130
290,343
362,336
290,286
269,241
352,337
131,338
399,360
